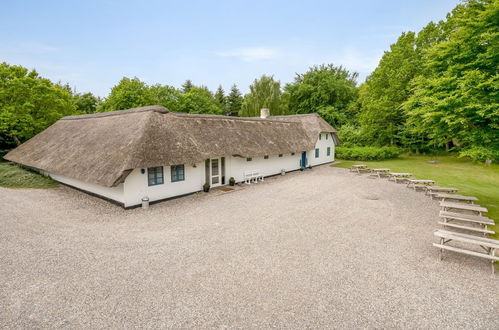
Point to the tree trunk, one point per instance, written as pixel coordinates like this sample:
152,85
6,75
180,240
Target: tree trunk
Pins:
16,140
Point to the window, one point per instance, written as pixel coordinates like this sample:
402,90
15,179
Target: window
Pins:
280,155
317,153
155,176
265,157
178,173
327,134
292,154
249,159
329,151
320,135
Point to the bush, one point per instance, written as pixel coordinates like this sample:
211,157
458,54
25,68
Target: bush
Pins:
367,153
481,153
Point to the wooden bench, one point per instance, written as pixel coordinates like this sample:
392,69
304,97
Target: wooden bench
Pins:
463,206
431,190
419,183
443,196
253,175
359,167
399,176
487,244
449,218
380,171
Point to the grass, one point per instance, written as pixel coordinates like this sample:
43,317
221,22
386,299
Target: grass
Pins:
14,176
469,178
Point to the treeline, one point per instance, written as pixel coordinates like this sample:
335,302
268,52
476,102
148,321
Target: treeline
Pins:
432,90
438,88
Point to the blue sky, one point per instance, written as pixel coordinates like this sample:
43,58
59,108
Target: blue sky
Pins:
92,44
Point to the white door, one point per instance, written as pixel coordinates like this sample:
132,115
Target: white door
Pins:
215,172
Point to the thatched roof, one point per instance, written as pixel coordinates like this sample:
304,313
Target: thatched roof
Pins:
103,148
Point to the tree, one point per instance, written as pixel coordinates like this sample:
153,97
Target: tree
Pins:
198,100
166,96
220,97
128,93
325,89
381,96
29,104
234,101
456,102
264,93
187,86
85,103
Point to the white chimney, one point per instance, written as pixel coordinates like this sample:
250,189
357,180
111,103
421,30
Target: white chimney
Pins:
264,113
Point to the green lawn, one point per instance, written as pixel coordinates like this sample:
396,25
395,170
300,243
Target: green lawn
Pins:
469,178
14,176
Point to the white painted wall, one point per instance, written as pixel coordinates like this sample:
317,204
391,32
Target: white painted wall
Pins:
236,166
325,141
136,186
114,193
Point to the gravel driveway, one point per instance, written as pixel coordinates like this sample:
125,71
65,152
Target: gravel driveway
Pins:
316,249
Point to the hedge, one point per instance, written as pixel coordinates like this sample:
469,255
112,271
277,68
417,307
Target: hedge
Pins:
367,153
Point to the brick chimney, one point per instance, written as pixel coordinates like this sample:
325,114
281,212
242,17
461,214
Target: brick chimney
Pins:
264,113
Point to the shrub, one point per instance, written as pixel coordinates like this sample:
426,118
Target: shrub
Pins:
367,153
481,153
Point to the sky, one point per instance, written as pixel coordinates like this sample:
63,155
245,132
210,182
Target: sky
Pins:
93,44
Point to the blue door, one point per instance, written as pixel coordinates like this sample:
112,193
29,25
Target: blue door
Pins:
304,159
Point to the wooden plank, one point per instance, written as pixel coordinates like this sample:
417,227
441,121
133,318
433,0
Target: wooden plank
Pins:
463,206
477,229
441,189
416,181
456,197
465,238
400,174
467,217
381,169
469,252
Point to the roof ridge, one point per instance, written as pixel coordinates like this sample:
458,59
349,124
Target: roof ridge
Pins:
152,108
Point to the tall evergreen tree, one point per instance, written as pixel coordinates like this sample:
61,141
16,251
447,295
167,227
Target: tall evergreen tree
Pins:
187,86
220,97
234,101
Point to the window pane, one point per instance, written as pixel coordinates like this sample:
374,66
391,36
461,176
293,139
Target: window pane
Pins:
214,167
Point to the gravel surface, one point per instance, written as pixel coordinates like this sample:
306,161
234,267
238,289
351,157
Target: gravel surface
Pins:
317,249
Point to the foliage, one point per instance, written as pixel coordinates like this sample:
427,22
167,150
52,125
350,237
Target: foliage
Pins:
457,100
325,89
29,104
350,135
85,103
14,176
128,93
481,153
220,97
187,86
381,96
199,100
470,178
367,153
234,101
264,93
165,95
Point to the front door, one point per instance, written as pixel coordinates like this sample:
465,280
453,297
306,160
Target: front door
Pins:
215,172
304,159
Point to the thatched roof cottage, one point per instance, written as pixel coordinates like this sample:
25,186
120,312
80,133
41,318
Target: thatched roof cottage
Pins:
150,152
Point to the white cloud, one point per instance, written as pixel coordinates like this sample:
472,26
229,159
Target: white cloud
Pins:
250,54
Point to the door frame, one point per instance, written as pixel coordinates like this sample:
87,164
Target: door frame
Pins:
219,175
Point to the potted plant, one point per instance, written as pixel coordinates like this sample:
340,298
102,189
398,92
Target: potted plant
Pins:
232,181
206,187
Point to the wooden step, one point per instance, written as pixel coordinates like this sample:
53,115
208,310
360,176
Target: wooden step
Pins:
477,229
